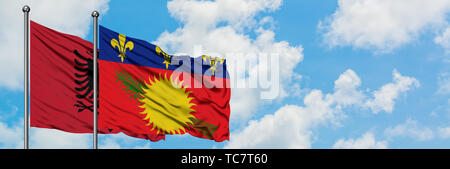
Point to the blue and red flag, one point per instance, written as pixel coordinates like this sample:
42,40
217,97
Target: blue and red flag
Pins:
61,83
144,90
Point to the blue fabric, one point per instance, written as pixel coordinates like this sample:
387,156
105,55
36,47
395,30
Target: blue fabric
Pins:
145,54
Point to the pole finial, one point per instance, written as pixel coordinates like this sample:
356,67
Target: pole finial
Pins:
95,14
26,8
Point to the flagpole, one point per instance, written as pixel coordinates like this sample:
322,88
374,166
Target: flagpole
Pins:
26,10
95,15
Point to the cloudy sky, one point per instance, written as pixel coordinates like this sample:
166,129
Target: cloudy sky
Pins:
353,73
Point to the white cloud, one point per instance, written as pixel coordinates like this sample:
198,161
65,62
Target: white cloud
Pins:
206,14
382,25
444,83
444,39
286,128
222,29
384,98
366,141
410,129
291,126
11,136
444,132
55,139
73,17
345,89
120,140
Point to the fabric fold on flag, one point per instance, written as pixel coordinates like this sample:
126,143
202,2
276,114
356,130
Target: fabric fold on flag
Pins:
61,83
145,90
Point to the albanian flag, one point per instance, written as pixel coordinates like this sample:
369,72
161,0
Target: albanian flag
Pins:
145,90
61,83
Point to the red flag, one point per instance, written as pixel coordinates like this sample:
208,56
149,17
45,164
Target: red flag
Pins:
61,83
142,92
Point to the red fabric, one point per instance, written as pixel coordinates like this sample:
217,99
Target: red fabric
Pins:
119,111
53,84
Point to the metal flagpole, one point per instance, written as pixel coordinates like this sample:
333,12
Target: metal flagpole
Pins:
26,10
95,15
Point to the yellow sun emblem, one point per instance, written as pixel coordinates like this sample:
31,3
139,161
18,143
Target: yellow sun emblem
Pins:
167,105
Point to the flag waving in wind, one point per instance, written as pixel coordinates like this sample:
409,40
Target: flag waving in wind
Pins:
61,83
145,90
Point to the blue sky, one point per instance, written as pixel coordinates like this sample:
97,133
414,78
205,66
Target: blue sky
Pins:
346,61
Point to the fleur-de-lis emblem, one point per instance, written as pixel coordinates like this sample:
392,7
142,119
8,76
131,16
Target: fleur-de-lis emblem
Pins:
167,57
122,46
213,62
